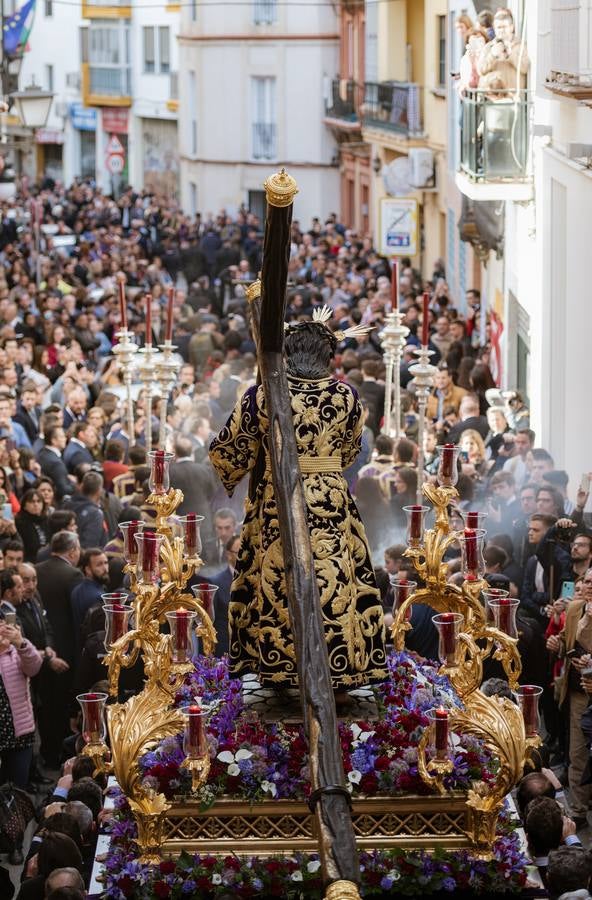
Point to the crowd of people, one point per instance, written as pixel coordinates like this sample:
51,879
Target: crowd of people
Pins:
71,473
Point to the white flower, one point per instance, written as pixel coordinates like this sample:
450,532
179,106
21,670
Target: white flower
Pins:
216,878
297,875
394,874
231,759
360,737
268,787
314,866
354,776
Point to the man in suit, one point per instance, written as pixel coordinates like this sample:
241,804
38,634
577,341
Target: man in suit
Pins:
470,417
83,440
196,480
57,578
223,580
52,464
202,438
27,414
75,409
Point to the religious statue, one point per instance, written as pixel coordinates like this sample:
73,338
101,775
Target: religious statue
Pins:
327,418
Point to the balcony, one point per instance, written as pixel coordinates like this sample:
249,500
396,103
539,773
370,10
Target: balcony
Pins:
106,85
394,106
344,102
264,141
106,9
494,155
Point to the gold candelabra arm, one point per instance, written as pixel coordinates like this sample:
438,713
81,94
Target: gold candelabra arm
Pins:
199,767
176,567
506,652
441,497
99,753
165,505
475,612
467,674
432,772
119,657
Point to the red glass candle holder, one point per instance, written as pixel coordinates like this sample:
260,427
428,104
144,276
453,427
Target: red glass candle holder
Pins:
473,519
195,742
415,523
492,594
159,481
528,696
206,594
504,611
148,561
447,464
129,530
93,717
123,597
402,589
471,548
180,623
117,622
441,730
449,625
190,525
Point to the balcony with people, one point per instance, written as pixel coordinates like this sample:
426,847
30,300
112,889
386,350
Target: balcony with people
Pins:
494,113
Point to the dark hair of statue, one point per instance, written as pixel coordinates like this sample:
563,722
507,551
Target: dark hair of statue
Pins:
309,348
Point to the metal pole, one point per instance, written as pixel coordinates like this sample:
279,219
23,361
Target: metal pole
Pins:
148,426
423,376
393,338
420,450
164,402
388,389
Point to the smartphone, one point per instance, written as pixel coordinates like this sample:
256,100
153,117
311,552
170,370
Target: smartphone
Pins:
10,618
567,590
464,456
586,673
585,483
573,654
7,513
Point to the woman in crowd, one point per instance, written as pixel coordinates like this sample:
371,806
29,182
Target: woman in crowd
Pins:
31,524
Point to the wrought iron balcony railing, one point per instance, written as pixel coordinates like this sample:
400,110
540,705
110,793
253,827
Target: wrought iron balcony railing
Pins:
393,105
344,100
264,140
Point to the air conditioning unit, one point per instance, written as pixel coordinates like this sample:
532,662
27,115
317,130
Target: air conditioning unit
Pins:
421,167
73,80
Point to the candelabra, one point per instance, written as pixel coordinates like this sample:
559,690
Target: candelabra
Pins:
466,639
423,377
167,369
125,351
159,563
147,371
393,339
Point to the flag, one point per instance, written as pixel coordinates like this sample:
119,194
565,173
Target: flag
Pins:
17,29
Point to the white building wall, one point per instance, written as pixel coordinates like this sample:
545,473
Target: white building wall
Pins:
301,50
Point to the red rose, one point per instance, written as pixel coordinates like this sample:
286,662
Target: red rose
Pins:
126,885
369,783
162,889
167,867
381,764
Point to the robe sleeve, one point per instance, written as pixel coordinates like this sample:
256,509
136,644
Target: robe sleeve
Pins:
234,451
353,439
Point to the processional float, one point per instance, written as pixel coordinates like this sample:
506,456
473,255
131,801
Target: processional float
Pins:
160,561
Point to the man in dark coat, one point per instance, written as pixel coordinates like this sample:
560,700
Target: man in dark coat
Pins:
83,438
57,577
52,464
198,483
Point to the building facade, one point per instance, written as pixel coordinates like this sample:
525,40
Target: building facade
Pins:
251,97
113,70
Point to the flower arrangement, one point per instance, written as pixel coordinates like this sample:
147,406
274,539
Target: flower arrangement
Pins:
383,872
255,760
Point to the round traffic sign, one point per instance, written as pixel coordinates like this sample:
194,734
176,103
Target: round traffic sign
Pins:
115,164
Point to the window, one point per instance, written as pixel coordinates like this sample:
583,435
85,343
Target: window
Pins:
264,12
192,198
157,49
106,48
441,73
48,9
194,10
371,35
193,110
149,49
49,77
264,124
164,48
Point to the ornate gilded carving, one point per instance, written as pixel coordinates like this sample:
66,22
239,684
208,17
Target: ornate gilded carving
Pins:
280,189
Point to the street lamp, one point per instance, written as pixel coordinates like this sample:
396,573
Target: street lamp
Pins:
33,105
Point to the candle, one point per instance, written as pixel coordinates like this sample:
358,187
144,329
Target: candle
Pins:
169,319
415,522
448,636
403,591
132,528
447,460
150,555
530,708
472,520
425,322
395,285
117,621
195,726
148,320
471,549
158,461
122,305
191,534
505,614
182,636
441,730
93,715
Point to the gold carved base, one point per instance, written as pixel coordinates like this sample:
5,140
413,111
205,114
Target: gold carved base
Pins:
284,826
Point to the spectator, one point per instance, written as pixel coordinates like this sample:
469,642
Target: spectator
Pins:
32,525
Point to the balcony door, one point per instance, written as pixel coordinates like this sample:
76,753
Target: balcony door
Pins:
263,117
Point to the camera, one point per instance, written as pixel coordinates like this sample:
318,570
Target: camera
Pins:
566,535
